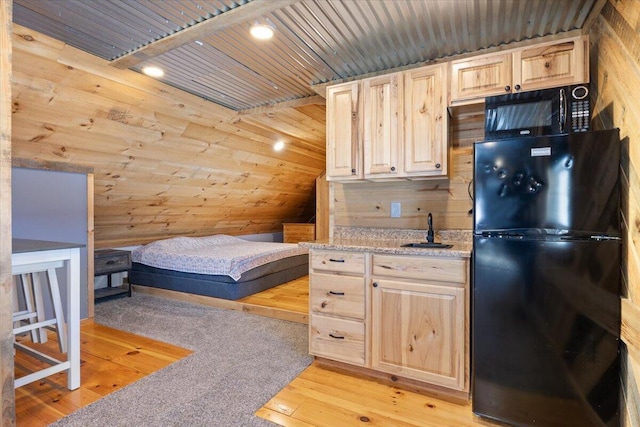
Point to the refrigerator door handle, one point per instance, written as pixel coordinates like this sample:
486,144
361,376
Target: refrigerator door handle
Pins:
600,237
563,110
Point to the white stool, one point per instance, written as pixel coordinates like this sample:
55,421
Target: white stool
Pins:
34,312
28,313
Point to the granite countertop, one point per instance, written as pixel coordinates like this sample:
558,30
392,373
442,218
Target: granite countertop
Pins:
390,241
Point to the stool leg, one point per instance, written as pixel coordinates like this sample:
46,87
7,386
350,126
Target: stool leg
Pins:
42,315
27,291
16,303
61,326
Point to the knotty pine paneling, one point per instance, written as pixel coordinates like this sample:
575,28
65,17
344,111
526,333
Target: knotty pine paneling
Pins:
166,163
368,204
7,397
615,77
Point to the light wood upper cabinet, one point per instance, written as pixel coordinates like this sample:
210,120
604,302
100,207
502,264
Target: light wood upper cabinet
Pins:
478,77
382,126
544,65
404,126
344,156
426,124
552,64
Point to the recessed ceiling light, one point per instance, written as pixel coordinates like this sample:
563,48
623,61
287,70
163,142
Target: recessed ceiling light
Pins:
262,32
153,71
278,146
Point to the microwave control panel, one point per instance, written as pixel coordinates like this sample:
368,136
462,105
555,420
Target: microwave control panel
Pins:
580,109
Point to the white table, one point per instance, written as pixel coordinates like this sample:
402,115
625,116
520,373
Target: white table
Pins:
34,256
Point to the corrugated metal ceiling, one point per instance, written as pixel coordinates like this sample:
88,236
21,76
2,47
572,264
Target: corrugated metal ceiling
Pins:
316,41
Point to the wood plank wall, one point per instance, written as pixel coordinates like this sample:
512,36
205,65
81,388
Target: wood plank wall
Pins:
7,406
615,77
166,162
368,204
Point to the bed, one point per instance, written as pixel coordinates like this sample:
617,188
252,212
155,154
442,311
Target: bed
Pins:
219,266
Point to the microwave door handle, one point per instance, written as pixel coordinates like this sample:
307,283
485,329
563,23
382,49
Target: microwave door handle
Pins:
563,111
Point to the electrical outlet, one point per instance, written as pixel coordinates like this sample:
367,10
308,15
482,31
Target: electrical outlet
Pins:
396,209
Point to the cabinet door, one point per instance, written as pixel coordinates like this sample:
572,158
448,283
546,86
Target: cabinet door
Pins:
560,63
418,331
381,126
426,121
343,133
476,78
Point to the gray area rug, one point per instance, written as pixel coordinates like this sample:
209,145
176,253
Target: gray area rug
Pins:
240,361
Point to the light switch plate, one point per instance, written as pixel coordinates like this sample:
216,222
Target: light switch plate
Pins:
396,209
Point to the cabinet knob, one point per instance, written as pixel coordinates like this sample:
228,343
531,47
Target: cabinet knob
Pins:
438,165
375,284
507,88
393,168
353,171
517,87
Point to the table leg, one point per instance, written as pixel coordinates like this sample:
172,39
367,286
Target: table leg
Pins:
73,321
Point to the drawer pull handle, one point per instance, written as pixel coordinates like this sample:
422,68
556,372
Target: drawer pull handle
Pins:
338,337
336,260
336,293
385,266
110,262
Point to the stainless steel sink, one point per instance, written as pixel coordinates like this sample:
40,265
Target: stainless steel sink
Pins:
427,245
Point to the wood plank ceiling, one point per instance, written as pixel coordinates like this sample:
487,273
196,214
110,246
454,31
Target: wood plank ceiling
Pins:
195,157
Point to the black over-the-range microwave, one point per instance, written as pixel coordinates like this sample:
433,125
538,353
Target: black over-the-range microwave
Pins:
553,111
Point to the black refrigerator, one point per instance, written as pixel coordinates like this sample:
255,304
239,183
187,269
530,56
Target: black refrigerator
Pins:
546,280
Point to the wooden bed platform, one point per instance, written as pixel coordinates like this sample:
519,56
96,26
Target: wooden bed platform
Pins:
289,301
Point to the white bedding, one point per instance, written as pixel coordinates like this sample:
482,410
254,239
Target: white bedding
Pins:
218,255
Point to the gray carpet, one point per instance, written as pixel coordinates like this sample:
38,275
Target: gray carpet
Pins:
240,361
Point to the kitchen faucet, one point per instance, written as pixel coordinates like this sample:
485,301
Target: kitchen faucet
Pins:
430,231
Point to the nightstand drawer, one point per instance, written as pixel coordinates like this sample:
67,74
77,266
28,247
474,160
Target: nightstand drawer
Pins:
111,261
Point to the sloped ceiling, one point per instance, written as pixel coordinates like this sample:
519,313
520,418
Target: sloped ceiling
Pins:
205,48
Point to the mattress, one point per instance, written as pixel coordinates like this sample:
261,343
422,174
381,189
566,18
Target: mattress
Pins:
218,266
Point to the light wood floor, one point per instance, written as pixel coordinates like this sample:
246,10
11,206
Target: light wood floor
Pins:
109,360
324,397
320,396
289,301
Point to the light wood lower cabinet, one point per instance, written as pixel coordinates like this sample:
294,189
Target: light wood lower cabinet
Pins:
418,332
420,318
402,315
337,309
337,339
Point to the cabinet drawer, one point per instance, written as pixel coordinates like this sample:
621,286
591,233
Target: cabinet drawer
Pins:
337,339
111,261
337,261
434,269
337,295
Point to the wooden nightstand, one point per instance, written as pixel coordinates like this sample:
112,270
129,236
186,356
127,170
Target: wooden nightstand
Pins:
109,261
298,232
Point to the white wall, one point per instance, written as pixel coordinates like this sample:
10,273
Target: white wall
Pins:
52,205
